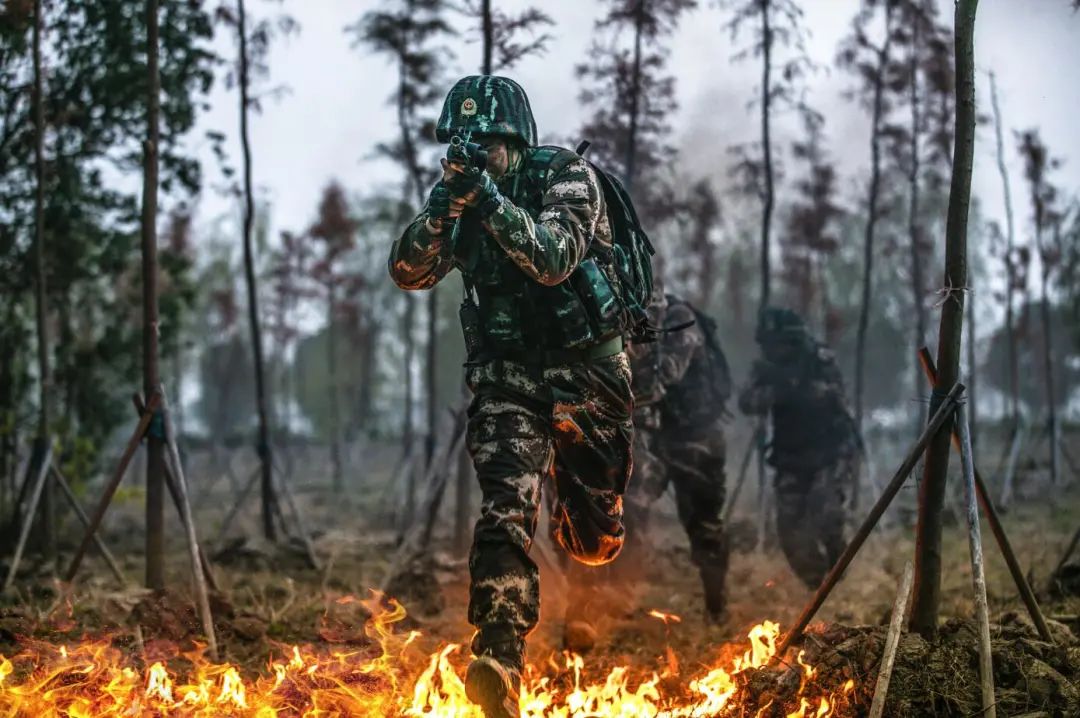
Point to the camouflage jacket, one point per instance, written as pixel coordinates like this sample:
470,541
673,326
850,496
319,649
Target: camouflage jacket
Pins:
812,424
672,376
533,262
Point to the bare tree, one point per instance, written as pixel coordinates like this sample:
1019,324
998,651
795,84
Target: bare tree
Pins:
777,27
927,590
871,62
1012,274
810,238
501,43
1047,221
155,443
40,294
632,98
408,34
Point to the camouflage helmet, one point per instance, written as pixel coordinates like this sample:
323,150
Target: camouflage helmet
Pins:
489,105
780,325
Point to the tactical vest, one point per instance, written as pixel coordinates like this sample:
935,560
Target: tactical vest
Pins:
809,431
514,316
699,399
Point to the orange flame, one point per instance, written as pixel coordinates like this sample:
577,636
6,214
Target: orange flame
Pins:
93,679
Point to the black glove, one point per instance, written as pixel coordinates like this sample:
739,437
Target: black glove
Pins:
438,205
474,190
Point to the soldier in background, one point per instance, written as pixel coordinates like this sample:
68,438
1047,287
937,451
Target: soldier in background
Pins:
681,385
815,447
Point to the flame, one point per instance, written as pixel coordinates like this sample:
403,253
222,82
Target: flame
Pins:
665,617
391,677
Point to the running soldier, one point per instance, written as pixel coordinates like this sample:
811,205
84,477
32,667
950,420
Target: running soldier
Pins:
681,385
815,448
544,317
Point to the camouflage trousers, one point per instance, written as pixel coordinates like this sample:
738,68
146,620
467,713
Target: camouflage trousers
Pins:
811,510
693,465
569,427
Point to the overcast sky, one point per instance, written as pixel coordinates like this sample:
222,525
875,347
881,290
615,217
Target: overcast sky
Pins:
336,109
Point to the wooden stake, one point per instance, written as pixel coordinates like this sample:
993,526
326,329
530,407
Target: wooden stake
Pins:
201,598
892,641
174,492
943,413
31,512
978,576
252,480
1010,464
65,488
309,548
992,518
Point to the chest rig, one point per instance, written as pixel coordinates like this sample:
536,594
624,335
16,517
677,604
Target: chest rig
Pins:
508,315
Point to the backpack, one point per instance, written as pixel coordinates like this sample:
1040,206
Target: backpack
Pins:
719,372
632,252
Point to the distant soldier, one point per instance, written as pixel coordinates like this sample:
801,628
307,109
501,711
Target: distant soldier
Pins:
814,449
681,386
544,316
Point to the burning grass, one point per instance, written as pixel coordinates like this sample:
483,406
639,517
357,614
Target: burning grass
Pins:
392,676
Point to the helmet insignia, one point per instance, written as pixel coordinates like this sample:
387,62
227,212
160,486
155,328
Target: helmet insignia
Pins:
468,107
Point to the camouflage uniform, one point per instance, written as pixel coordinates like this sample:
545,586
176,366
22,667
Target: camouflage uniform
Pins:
680,441
550,382
814,448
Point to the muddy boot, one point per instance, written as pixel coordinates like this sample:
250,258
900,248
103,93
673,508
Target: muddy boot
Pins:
712,580
494,687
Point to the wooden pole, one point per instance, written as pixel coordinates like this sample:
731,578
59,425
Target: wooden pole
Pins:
924,612
1068,552
202,599
978,575
73,501
892,641
992,518
155,449
40,298
262,446
174,492
31,511
1010,464
943,413
110,489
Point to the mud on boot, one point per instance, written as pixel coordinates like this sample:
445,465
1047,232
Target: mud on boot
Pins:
494,687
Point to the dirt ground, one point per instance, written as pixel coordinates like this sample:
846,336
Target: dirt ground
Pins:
270,597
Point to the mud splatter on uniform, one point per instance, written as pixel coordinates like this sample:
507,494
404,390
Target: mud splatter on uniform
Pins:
552,400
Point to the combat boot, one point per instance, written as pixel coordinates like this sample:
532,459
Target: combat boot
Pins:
713,581
494,687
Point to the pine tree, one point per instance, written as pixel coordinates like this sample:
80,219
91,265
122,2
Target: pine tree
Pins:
776,27
408,35
872,63
632,97
500,34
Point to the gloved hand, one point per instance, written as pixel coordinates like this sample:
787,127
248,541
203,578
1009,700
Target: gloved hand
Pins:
438,207
470,190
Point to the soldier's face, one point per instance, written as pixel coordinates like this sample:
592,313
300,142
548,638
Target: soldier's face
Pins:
498,160
778,352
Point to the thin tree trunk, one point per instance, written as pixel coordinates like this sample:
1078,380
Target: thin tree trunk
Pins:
871,219
635,98
1048,370
488,29
913,225
432,372
924,613
41,307
155,442
263,442
335,413
766,147
973,370
1010,269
